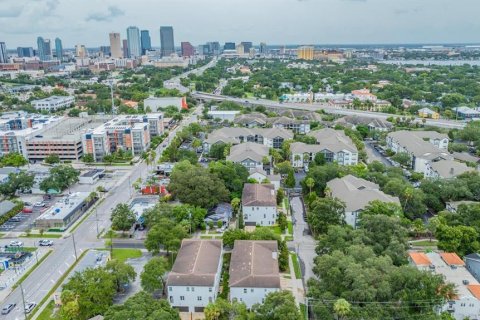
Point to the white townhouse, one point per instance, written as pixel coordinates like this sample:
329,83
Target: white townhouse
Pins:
260,175
194,280
356,193
253,271
333,144
259,204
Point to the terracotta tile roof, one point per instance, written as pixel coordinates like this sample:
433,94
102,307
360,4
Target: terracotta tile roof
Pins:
420,258
475,290
451,258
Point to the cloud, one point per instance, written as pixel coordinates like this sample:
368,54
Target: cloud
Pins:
12,12
113,12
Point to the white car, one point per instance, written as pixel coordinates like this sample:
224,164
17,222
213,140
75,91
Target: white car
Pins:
15,243
45,243
30,306
39,204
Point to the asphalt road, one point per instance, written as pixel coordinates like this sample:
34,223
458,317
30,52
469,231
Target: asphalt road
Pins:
326,107
45,276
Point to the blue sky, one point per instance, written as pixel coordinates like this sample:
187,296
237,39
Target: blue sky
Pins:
273,21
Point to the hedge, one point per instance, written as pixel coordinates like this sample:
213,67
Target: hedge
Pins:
13,212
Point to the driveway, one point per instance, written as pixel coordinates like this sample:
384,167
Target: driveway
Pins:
304,244
375,155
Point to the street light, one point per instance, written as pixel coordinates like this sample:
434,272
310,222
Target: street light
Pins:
96,220
23,300
74,247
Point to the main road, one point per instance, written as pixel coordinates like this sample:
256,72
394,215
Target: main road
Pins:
65,251
443,123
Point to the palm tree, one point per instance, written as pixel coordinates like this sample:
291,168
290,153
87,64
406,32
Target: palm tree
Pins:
341,309
310,183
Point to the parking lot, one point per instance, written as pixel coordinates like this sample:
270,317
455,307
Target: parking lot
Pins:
35,205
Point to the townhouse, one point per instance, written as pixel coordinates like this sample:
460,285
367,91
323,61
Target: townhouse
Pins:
249,154
194,280
356,193
255,119
259,204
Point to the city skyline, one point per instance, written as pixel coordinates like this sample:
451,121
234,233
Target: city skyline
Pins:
373,21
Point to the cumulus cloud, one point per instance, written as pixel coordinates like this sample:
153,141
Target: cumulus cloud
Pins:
112,12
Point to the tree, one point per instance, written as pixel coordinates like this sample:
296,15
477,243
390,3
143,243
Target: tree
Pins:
290,181
165,233
122,217
282,222
319,159
235,203
123,273
217,151
89,293
152,277
284,167
187,182
280,196
278,305
460,239
309,182
61,177
142,306
222,309
88,158
341,308
13,159
390,209
325,212
234,175
21,181
52,159
403,158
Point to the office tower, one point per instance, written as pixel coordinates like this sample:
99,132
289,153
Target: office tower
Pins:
240,48
247,46
25,52
58,49
125,48
187,49
105,51
213,47
115,47
146,41
134,44
305,52
44,49
229,46
80,51
263,48
3,53
167,43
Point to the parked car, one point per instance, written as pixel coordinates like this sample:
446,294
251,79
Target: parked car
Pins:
39,204
45,243
15,243
30,306
27,209
9,307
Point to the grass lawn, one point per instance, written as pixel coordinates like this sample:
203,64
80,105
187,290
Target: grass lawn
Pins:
303,310
47,313
29,249
296,266
44,236
31,269
425,243
2,235
124,254
290,227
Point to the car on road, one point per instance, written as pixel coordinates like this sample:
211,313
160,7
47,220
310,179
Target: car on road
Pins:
40,204
15,243
45,243
9,307
30,306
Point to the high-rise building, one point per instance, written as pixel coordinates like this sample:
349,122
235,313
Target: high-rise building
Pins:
305,52
146,41
44,50
115,46
3,53
80,51
167,43
229,46
58,49
187,49
105,51
213,48
263,48
25,52
240,48
125,48
247,46
134,44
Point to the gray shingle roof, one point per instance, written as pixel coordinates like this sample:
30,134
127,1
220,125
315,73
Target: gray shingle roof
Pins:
333,140
254,264
248,150
450,168
413,142
262,195
196,263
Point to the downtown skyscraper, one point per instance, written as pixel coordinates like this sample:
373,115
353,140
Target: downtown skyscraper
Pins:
134,44
167,42
115,45
146,41
3,53
44,49
59,49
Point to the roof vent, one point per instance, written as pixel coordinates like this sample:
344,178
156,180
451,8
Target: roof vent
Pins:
274,255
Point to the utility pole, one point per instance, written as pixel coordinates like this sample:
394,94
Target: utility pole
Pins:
23,300
74,247
96,220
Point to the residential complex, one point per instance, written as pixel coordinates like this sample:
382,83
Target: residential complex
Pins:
252,120
194,280
259,204
356,193
253,271
53,103
249,154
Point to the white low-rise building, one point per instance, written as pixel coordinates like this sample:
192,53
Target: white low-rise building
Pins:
249,154
194,280
259,204
466,303
53,103
260,176
446,169
356,193
224,115
253,271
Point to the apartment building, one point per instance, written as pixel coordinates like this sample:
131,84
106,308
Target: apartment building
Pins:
249,154
259,204
53,103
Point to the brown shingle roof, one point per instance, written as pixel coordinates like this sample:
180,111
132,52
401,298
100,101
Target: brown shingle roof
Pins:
259,195
196,263
254,264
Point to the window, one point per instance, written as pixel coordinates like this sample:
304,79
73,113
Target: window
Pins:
251,290
188,289
171,299
199,298
169,288
193,289
244,290
182,298
209,289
